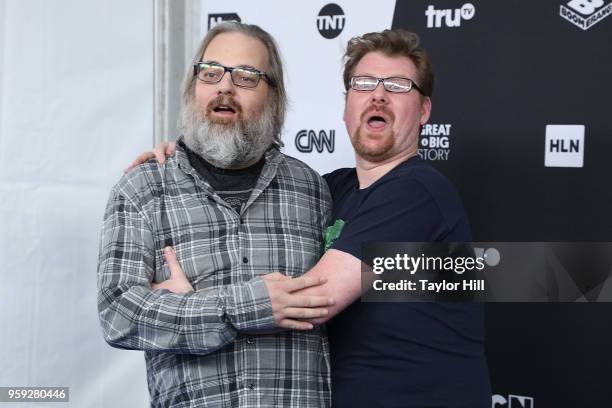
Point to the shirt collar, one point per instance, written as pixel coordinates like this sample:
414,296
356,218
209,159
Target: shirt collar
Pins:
273,158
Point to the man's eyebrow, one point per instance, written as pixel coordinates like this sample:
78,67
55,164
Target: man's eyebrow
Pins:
247,66
374,76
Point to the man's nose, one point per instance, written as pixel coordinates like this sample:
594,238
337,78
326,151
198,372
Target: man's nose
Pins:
225,86
379,95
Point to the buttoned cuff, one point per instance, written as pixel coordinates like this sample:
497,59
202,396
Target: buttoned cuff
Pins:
252,308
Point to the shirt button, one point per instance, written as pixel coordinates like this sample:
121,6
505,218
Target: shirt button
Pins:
251,386
245,260
250,340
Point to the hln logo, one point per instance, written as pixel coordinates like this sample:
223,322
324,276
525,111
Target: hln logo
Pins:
306,140
564,146
214,19
585,13
451,18
513,401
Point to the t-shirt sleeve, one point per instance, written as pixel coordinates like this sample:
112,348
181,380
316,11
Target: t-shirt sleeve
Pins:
400,210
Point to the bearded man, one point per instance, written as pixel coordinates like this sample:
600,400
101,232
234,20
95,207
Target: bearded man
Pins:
234,209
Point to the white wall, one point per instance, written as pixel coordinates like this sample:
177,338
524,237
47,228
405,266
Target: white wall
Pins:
76,106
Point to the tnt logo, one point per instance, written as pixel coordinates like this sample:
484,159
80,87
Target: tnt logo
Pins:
450,17
564,146
330,21
306,140
435,142
513,401
585,13
214,19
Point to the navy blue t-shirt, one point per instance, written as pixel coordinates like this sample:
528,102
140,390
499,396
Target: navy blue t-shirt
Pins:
404,354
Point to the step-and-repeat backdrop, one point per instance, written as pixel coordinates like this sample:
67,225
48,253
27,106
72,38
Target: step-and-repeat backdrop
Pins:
520,123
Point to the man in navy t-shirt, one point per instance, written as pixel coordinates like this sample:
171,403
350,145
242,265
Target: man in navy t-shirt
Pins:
404,354
394,354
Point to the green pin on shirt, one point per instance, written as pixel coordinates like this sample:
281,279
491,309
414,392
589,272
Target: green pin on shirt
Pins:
332,233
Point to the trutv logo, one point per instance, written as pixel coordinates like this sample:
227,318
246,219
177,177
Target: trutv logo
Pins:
512,401
437,18
585,13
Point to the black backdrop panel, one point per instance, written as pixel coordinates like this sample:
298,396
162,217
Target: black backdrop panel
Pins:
502,76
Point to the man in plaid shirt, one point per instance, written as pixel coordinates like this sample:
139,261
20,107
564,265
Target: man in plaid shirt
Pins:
234,209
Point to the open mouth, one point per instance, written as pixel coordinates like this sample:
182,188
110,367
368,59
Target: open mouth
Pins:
377,122
224,109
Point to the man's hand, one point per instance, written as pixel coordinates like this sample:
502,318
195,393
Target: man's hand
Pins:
160,152
288,306
178,282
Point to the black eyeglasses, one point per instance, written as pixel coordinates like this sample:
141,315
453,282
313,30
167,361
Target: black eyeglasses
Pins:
211,73
365,83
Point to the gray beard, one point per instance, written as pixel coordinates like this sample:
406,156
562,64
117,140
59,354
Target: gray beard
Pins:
230,146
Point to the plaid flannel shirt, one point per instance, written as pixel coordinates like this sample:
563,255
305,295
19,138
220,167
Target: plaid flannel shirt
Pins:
213,347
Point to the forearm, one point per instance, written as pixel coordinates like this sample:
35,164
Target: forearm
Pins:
343,274
134,317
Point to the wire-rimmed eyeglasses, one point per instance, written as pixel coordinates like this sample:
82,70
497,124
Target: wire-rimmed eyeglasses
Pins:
365,83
